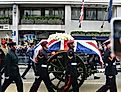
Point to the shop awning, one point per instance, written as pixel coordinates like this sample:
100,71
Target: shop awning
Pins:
99,38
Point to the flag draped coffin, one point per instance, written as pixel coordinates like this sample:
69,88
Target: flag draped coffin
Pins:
83,46
88,47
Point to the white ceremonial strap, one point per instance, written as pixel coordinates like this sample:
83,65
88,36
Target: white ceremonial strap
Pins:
114,63
43,65
106,64
73,63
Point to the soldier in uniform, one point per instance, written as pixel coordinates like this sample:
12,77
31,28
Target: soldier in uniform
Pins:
41,69
110,71
3,52
4,49
2,55
71,69
12,69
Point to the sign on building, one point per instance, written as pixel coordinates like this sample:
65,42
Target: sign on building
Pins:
29,37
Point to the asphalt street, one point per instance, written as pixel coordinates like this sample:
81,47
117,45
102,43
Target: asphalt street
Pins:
90,85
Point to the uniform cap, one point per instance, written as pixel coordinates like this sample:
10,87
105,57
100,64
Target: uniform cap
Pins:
70,42
43,43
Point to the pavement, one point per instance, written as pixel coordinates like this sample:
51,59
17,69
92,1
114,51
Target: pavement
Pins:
90,85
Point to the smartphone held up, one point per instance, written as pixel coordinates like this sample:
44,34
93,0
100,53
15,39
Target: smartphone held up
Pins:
116,36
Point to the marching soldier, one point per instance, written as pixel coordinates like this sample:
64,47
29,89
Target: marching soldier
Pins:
12,69
71,70
41,70
110,71
3,52
2,55
4,49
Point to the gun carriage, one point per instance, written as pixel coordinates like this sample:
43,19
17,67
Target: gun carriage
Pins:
57,62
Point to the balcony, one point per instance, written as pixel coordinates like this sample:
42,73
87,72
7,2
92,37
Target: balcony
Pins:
50,20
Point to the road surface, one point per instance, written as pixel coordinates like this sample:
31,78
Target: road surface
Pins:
90,85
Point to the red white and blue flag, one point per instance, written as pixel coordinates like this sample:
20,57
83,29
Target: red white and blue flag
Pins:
83,46
81,14
88,47
35,51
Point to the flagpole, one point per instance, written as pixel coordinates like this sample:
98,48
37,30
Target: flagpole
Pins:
109,13
105,15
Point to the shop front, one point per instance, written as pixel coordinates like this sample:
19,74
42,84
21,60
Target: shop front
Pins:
36,36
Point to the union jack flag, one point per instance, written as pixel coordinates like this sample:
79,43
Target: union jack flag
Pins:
81,14
83,46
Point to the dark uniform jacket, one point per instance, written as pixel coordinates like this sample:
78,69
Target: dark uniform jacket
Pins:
110,66
42,60
71,69
2,56
11,64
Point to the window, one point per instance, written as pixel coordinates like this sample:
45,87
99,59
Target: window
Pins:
59,12
49,12
75,13
101,14
32,12
89,13
6,12
1,12
43,12
46,12
27,12
55,12
36,12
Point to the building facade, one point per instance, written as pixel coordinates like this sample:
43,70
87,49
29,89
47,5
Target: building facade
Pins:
28,19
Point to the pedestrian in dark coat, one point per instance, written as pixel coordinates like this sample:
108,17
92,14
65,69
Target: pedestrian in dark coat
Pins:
30,62
41,70
71,69
110,71
12,69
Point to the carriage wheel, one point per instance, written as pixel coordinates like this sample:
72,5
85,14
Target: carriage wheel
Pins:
57,70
